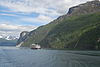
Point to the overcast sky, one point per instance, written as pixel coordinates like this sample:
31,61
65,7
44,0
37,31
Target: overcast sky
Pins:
26,15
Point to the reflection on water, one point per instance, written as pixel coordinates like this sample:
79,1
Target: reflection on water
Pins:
15,57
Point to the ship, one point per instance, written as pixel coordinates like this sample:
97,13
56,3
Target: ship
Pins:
35,46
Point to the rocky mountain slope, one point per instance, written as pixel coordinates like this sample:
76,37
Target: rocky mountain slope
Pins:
78,29
23,37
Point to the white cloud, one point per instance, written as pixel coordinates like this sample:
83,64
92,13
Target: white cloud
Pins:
48,7
4,14
40,19
45,8
27,6
10,29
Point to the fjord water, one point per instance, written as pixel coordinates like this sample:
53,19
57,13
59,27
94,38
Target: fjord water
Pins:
17,57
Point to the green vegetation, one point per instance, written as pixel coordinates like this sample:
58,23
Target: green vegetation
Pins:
78,29
40,33
78,32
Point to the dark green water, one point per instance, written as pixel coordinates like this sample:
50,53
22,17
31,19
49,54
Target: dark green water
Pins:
14,57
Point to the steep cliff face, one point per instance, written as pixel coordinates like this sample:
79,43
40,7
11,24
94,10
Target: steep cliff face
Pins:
23,37
87,8
68,31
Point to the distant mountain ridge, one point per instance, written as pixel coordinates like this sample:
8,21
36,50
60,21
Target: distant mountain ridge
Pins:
78,29
8,37
8,40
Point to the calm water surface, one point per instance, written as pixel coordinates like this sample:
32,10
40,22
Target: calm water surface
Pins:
15,57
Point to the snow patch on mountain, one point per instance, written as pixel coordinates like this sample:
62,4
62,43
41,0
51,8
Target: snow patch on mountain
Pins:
8,37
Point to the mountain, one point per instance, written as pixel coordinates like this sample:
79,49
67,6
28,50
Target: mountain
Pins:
78,29
4,42
89,7
23,37
8,40
8,37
